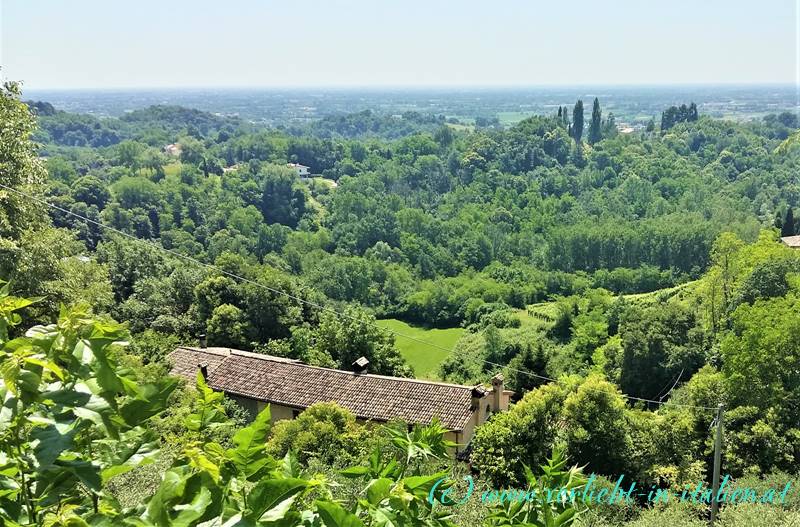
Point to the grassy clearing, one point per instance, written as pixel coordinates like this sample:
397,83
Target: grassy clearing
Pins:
424,359
324,181
462,127
512,118
172,169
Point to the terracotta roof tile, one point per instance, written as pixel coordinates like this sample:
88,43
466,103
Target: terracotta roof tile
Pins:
186,361
290,383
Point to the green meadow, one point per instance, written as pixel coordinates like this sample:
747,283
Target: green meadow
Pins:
423,358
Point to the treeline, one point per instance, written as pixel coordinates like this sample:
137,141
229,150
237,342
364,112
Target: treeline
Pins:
678,114
154,125
370,124
412,221
598,127
430,206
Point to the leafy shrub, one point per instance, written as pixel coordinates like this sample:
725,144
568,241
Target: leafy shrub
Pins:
745,515
324,430
595,426
543,510
152,346
72,420
523,435
673,515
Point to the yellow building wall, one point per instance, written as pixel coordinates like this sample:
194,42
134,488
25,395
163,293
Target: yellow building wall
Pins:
278,412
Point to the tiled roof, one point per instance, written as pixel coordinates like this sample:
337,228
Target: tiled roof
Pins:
290,383
186,361
791,241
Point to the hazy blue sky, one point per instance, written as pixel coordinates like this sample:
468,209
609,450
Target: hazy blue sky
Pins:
149,43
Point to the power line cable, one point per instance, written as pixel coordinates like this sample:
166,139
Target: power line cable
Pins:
160,247
677,380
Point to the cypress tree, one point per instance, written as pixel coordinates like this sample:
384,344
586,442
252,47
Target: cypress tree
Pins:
678,114
669,118
788,224
595,131
577,121
693,112
683,113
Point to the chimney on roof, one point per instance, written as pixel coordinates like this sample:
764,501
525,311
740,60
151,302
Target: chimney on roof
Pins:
498,386
202,339
203,370
361,365
478,393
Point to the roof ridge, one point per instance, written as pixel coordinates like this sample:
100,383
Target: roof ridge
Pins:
212,351
295,362
263,356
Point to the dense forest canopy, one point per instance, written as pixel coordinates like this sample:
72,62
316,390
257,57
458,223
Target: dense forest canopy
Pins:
523,213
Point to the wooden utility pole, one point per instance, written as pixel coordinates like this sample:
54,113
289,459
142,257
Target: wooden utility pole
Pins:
717,464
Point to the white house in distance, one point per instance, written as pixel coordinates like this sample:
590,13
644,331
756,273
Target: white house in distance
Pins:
173,149
302,170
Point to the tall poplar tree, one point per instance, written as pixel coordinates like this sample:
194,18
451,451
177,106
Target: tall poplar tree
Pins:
787,229
577,121
595,130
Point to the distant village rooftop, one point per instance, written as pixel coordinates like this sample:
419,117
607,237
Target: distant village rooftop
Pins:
302,170
293,386
791,241
173,149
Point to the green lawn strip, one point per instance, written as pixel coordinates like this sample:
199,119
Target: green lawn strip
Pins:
424,358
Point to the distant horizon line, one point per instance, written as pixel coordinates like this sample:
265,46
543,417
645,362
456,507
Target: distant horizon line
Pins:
413,87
